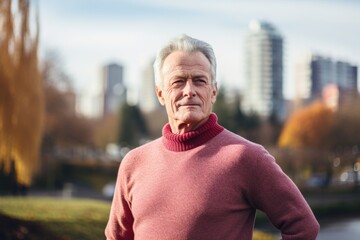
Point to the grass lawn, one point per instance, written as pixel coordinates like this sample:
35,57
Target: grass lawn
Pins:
52,218
32,218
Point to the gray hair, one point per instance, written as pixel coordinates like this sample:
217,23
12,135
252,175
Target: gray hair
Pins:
186,44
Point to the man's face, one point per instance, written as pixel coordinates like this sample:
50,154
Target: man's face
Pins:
187,91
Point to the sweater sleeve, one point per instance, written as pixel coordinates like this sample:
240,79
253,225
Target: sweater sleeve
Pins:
120,223
274,193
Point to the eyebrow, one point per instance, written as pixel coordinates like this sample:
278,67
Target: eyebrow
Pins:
199,75
196,75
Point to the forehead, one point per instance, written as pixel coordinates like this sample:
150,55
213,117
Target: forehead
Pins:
179,61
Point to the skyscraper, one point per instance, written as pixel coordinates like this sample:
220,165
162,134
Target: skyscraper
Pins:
148,101
114,90
315,72
263,70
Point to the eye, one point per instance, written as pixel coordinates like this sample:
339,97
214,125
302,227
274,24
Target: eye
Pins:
200,81
178,82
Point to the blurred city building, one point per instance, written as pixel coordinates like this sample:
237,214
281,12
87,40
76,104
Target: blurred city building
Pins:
263,70
148,101
314,72
114,90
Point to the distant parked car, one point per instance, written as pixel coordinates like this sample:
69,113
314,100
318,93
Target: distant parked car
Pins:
109,189
317,180
349,177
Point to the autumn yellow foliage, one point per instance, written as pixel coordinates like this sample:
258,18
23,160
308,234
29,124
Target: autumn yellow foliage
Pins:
308,128
21,91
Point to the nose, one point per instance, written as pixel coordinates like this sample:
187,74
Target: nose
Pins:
189,89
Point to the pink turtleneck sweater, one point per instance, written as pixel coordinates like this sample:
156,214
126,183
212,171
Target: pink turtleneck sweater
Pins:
204,184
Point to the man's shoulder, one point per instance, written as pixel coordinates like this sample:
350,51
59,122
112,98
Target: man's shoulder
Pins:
137,154
228,137
145,148
232,142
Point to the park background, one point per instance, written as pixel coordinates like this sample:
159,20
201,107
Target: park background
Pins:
59,156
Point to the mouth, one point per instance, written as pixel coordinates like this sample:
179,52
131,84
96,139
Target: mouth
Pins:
189,105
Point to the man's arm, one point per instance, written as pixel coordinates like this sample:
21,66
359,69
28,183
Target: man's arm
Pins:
121,219
274,193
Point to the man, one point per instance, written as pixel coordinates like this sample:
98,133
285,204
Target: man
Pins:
199,180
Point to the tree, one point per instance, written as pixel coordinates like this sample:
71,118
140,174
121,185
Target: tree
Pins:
21,95
276,125
64,128
233,118
65,131
346,131
308,128
223,110
307,136
132,126
345,136
106,130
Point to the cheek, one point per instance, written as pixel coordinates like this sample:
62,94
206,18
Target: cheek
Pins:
208,97
170,98
173,95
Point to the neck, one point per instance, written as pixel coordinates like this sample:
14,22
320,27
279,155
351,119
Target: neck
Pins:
191,139
181,128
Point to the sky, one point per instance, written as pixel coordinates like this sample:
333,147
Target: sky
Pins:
87,34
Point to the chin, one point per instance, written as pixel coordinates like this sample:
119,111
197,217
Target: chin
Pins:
192,117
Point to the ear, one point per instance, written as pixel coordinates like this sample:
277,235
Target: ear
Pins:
160,95
214,94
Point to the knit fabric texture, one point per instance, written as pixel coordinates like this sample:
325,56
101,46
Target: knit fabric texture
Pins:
206,184
192,139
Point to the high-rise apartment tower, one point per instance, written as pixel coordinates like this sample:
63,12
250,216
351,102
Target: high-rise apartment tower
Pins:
148,100
314,72
114,90
263,94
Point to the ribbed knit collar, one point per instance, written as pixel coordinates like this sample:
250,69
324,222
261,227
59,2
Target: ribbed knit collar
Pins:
192,139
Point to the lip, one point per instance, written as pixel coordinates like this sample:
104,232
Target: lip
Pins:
189,105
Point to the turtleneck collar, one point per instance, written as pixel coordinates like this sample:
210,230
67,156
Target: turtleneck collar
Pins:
192,139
